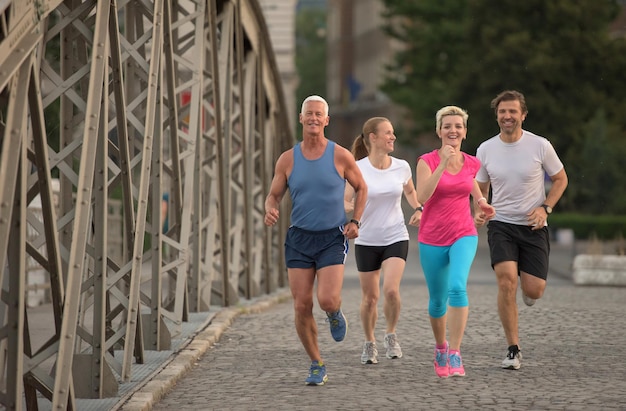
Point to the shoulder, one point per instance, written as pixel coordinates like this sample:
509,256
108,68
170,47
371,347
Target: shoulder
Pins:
399,162
470,158
429,156
472,161
342,153
363,163
537,140
286,158
533,137
489,142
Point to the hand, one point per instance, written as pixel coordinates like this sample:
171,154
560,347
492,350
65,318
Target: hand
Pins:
271,216
487,209
350,230
537,218
480,219
416,218
446,153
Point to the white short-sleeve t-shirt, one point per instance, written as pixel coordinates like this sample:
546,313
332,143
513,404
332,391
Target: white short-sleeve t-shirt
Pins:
382,222
517,173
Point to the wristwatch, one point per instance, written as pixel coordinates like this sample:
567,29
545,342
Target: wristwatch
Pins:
356,222
547,208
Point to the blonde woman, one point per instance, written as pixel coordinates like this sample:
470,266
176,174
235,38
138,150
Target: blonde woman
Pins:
383,241
448,238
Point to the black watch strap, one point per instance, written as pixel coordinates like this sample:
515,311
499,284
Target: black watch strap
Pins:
356,222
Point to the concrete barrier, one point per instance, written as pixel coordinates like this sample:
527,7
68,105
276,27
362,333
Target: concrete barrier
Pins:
590,269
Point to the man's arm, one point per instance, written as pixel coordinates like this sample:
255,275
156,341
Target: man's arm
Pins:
353,175
559,184
348,199
277,188
484,188
345,162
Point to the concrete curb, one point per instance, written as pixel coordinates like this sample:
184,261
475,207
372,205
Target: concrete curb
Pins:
162,380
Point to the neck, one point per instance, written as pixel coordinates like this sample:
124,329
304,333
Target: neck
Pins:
379,160
512,136
313,139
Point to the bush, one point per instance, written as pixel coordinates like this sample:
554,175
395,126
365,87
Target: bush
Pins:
586,226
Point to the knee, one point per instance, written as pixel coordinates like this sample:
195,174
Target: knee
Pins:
369,301
303,307
329,304
507,285
535,293
437,308
458,297
392,296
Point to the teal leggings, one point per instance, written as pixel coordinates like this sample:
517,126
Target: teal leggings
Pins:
446,270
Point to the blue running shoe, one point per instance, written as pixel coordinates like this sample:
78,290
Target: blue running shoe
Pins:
456,364
338,325
442,366
317,374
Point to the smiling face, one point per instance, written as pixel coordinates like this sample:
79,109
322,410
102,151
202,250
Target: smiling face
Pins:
314,117
510,117
383,138
452,131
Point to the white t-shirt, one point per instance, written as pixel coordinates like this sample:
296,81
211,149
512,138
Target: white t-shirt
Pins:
517,172
382,222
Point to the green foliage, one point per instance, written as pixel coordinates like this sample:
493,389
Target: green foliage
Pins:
586,226
311,52
558,53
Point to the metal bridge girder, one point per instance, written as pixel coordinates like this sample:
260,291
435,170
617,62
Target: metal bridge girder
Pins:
176,97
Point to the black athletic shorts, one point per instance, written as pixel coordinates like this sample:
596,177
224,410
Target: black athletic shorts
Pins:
371,257
513,242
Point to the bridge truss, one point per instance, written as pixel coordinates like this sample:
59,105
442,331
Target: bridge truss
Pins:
146,130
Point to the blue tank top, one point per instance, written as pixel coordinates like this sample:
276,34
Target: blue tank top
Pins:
316,190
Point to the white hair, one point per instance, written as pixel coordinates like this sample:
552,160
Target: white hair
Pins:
314,98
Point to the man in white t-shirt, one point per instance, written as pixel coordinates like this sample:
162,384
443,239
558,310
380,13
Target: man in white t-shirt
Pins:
515,164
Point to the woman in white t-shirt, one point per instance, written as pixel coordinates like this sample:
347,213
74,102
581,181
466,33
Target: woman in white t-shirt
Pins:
383,241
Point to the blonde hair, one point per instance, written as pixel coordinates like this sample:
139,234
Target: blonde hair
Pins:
451,111
361,144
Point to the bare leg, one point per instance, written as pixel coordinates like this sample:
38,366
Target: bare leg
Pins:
393,268
506,274
370,293
532,286
439,329
301,282
457,322
329,285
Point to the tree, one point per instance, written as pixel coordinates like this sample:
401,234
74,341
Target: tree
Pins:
558,53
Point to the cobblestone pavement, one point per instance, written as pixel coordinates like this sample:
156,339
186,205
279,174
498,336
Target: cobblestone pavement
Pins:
572,342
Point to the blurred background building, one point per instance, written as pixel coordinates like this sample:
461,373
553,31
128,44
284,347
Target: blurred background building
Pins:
280,19
357,52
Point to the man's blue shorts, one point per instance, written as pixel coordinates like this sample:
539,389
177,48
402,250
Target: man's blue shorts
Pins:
315,249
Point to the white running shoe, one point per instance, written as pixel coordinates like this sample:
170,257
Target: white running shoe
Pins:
512,359
392,346
370,353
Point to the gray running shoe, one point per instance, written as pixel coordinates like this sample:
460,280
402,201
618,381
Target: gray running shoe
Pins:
370,353
512,359
392,346
527,300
